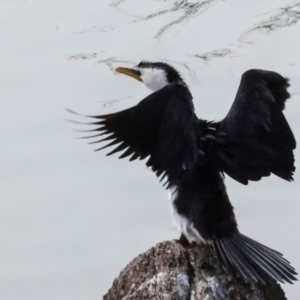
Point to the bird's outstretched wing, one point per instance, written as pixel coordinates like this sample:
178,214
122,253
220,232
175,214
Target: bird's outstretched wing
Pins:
258,139
162,127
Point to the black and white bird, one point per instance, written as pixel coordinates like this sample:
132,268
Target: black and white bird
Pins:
252,141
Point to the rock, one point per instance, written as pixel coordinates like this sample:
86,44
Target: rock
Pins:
171,271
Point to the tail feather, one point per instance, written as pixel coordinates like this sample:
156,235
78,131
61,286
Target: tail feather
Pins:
273,253
279,271
272,269
278,260
222,257
241,262
243,257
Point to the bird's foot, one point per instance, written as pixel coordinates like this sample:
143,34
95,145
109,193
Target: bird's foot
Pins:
183,241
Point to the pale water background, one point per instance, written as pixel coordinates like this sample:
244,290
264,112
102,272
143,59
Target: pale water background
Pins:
71,218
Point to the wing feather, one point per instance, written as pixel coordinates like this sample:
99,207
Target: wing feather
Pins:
258,138
163,126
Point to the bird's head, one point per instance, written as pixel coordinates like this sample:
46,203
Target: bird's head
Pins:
155,75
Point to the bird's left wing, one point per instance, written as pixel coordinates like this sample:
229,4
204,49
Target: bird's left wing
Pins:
258,138
162,127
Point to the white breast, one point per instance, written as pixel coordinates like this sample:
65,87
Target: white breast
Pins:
183,224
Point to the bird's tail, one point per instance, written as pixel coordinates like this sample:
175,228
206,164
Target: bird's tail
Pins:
243,257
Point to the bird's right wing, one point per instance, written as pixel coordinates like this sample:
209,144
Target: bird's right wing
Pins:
258,139
162,127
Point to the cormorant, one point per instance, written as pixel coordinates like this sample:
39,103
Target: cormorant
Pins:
252,141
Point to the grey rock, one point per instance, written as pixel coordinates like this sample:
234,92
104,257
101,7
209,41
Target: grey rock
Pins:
171,271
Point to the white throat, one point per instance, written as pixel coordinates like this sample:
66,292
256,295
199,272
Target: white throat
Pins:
153,78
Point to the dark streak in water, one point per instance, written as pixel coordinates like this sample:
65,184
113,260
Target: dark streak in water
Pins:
111,61
280,18
188,10
213,54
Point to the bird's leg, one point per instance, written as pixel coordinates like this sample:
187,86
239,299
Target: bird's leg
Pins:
183,241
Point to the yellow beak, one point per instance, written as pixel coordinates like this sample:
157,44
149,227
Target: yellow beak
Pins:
130,72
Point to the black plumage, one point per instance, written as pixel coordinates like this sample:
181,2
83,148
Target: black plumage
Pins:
252,141
259,140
